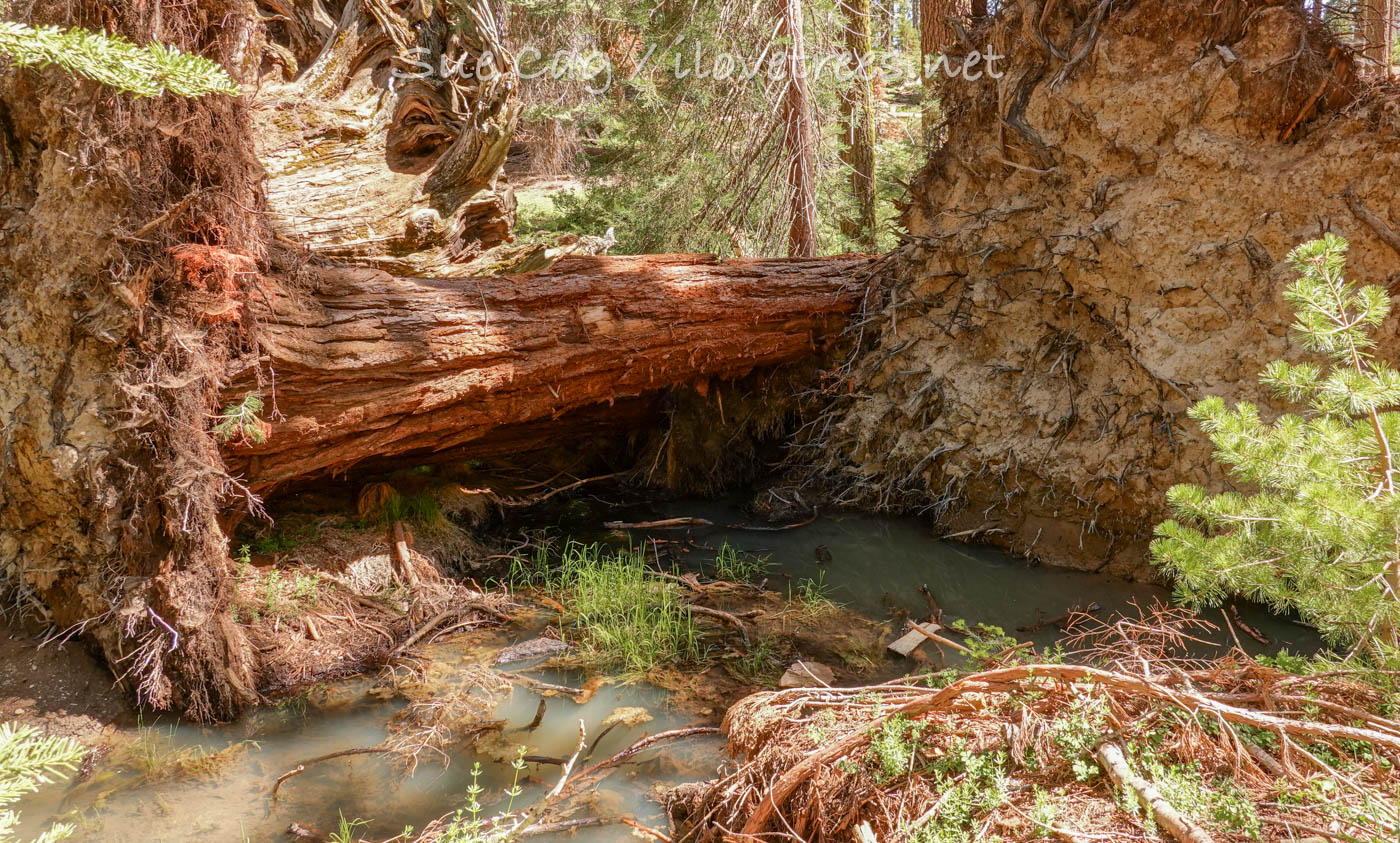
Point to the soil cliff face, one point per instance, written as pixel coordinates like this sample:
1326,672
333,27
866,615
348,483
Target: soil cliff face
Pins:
1098,243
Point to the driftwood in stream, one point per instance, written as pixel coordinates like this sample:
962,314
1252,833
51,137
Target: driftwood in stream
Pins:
365,366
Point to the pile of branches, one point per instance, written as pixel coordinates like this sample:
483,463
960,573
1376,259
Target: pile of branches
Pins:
1130,742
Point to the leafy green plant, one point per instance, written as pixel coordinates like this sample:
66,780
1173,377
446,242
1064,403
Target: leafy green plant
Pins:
146,71
29,759
1044,813
1321,535
895,747
470,825
1078,731
971,784
1222,803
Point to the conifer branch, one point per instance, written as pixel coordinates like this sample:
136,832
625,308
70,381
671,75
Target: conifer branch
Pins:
145,71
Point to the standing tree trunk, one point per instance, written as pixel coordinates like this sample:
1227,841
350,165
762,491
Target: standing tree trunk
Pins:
1375,27
858,112
799,137
935,35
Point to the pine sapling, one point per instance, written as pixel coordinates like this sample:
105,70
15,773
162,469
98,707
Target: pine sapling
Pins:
1318,532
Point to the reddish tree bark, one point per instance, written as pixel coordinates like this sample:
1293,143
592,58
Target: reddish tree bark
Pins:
369,366
799,136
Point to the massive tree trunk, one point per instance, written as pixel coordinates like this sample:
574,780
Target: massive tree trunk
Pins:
362,365
1099,243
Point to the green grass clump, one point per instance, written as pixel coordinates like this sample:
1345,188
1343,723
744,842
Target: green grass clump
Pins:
423,510
734,565
622,615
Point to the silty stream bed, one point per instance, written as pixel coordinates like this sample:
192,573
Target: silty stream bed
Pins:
221,791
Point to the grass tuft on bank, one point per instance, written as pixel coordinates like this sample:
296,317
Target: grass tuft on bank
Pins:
620,614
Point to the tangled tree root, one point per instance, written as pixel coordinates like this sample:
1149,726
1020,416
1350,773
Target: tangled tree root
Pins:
988,753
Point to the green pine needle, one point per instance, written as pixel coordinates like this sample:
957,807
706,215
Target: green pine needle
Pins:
112,60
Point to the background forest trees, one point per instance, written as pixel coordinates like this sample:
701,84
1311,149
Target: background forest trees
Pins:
681,161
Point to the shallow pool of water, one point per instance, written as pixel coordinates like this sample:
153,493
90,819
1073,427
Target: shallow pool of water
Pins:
876,566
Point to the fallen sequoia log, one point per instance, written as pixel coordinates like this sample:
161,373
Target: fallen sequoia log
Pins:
368,366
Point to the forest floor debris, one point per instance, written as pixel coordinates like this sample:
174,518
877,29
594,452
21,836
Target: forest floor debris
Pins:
1224,749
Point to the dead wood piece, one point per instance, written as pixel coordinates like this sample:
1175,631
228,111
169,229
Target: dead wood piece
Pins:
914,639
422,630
578,695
403,563
724,616
1248,630
664,524
567,825
1264,759
933,636
344,753
1388,235
539,716
1111,758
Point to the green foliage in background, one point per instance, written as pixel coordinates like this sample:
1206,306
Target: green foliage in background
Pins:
685,162
29,759
146,71
1320,533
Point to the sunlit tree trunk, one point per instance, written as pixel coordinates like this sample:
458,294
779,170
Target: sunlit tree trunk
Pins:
799,137
935,34
858,106
1375,24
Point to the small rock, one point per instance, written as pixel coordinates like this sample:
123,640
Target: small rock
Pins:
628,717
806,674
533,649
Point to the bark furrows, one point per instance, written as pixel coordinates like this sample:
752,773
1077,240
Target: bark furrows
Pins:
369,365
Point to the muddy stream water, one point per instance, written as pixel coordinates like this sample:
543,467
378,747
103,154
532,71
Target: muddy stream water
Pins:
176,782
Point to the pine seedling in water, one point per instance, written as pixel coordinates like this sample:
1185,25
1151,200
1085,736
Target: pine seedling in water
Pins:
1321,533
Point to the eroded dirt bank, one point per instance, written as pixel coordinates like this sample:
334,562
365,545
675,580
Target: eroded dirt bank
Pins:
1098,243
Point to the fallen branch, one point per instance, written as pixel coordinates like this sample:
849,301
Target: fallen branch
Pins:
1388,235
939,639
724,616
1168,818
344,753
664,524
